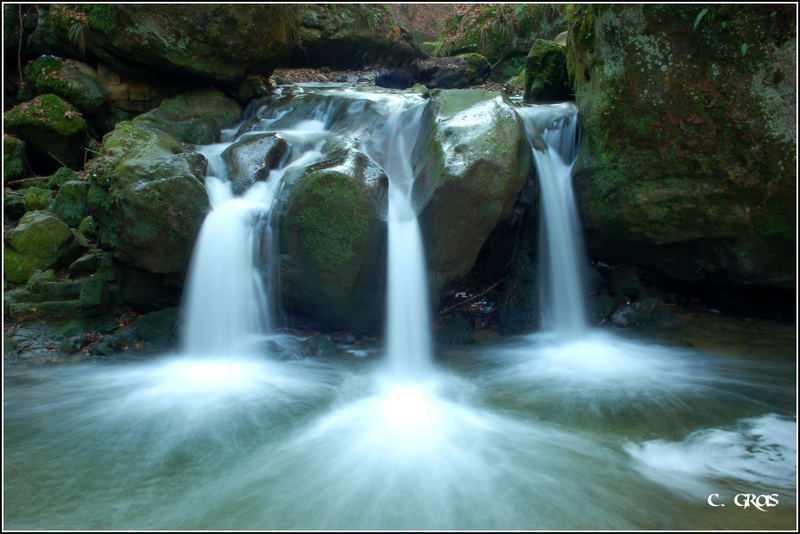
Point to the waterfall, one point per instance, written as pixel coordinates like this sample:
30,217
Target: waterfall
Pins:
408,338
553,133
227,306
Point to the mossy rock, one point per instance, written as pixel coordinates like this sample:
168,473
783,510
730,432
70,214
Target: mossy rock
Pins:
13,158
350,36
472,160
87,226
518,305
156,329
13,204
54,131
194,117
147,198
546,73
688,162
61,176
37,198
39,241
204,41
500,31
47,291
251,158
453,72
331,239
72,80
70,204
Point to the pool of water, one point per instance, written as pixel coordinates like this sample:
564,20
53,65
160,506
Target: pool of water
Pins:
530,432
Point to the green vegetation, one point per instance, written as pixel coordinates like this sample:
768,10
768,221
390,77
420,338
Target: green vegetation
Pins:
331,211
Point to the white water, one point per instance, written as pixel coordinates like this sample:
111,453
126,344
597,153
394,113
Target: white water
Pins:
408,323
227,305
553,129
528,433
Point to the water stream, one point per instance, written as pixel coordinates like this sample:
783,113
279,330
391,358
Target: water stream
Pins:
569,428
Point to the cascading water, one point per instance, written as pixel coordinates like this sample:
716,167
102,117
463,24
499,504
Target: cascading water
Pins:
518,433
227,307
552,131
408,339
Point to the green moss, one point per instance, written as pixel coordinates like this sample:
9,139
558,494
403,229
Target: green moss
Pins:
102,17
49,74
13,158
37,198
47,111
332,217
62,175
70,204
546,72
87,227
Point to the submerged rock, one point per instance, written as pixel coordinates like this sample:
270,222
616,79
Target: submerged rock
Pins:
646,312
519,300
688,165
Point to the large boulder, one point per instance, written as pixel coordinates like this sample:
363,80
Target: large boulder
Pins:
333,244
455,72
195,117
471,161
688,166
74,81
350,36
147,197
218,42
53,130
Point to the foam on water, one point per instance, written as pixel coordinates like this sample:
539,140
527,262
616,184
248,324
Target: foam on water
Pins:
759,451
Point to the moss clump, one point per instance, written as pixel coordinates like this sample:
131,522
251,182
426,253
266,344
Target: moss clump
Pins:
48,112
194,117
331,212
70,204
87,227
53,129
62,175
65,78
546,72
101,17
39,241
13,158
37,198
